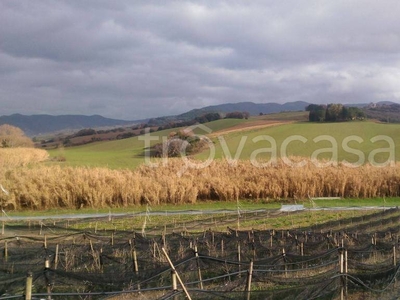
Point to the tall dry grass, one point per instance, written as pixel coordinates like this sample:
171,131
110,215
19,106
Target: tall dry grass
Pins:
17,157
43,187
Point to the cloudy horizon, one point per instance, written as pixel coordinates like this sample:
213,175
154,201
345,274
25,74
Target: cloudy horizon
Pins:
140,59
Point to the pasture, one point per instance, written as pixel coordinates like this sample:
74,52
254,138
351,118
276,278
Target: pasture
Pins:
121,154
259,137
325,140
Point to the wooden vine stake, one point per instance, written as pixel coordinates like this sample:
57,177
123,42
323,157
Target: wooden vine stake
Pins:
56,258
101,260
394,259
66,260
343,270
48,283
174,284
164,240
198,268
135,261
91,247
134,257
341,262
284,260
270,240
28,286
5,251
176,273
238,256
249,278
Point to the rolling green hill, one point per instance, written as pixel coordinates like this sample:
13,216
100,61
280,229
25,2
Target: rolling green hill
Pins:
253,108
125,153
306,139
251,141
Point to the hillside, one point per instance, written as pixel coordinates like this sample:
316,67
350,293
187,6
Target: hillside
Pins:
253,108
43,124
387,112
302,139
130,152
35,125
123,153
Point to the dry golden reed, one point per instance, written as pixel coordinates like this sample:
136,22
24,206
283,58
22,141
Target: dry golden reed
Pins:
44,187
17,157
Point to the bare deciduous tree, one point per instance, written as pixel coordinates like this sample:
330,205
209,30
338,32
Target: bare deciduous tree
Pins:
11,137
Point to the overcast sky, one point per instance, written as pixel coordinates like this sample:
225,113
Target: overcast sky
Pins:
135,59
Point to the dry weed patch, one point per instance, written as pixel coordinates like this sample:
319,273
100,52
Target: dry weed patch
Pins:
44,187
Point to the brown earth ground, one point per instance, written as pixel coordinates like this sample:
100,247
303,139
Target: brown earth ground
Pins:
258,124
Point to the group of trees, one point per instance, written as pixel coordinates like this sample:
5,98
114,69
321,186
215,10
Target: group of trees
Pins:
178,143
334,112
384,112
164,123
209,117
205,118
237,115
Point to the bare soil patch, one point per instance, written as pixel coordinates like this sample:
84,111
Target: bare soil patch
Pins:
259,124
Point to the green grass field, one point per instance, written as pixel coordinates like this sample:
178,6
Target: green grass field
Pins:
218,125
286,116
171,214
301,139
243,205
304,139
126,153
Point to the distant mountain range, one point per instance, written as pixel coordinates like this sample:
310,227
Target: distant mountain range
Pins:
35,125
43,124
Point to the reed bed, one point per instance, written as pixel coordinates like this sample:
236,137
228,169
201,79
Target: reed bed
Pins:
44,187
17,157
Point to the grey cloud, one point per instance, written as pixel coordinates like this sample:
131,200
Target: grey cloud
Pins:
131,59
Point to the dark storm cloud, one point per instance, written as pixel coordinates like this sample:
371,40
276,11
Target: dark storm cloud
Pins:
136,59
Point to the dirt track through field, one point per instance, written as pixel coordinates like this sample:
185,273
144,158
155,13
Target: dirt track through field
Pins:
249,126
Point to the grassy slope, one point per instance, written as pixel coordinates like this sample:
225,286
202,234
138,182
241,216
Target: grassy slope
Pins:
128,153
286,116
339,131
125,153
